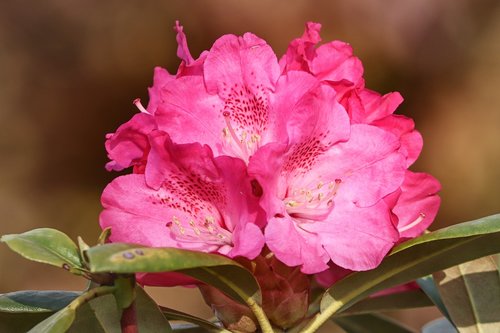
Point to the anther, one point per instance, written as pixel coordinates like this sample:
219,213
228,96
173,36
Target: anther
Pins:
138,104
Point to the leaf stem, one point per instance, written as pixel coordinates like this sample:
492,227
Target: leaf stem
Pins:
321,317
264,323
90,295
128,321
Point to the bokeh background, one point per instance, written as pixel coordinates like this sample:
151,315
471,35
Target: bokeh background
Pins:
69,71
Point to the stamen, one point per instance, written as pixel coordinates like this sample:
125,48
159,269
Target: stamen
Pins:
234,136
419,219
138,104
312,202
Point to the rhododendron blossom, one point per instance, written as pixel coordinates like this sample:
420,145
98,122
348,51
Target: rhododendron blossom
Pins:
185,199
238,148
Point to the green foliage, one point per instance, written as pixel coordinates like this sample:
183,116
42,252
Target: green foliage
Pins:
428,285
441,325
48,246
34,301
370,323
22,310
471,292
397,301
196,323
218,271
418,257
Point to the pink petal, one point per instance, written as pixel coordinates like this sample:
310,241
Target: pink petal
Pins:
161,78
263,166
356,238
294,246
193,200
366,106
243,199
301,51
166,156
248,241
328,124
129,145
333,274
404,128
369,160
334,61
182,49
243,61
170,279
188,66
189,113
290,89
132,214
418,204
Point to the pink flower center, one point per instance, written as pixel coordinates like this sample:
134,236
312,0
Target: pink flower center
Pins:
207,231
308,196
246,115
312,202
197,200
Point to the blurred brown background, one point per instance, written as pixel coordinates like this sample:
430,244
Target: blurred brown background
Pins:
69,71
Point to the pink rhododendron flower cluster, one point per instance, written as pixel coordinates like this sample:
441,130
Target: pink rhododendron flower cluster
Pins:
239,150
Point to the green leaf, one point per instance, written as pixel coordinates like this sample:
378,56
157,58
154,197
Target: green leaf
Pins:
413,259
208,326
471,293
189,328
47,246
397,301
18,313
418,257
34,301
63,319
59,322
22,310
441,325
82,246
221,272
103,237
12,322
149,315
105,312
370,323
429,287
125,291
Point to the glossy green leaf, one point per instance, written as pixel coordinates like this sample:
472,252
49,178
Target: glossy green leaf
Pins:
149,315
22,310
34,301
11,322
413,259
87,321
418,257
63,319
397,301
471,293
197,323
428,285
59,322
223,273
103,237
82,246
370,323
441,325
47,246
125,291
189,328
